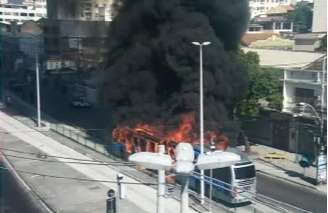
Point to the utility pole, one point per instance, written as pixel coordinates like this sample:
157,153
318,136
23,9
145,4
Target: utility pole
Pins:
320,155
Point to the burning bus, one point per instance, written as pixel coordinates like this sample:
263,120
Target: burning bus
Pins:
233,184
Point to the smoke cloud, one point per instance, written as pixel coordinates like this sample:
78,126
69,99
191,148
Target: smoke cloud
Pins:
153,69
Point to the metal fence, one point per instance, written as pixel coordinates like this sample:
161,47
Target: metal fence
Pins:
77,134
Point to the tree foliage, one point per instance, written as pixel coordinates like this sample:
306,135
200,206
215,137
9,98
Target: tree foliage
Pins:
302,17
323,45
264,86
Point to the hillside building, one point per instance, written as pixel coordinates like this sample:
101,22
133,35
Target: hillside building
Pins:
28,10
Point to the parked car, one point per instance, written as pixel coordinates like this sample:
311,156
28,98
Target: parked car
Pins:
81,103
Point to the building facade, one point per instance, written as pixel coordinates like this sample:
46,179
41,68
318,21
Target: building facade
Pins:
28,10
270,24
308,85
82,10
319,16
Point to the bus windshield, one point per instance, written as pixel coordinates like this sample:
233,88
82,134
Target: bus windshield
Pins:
245,172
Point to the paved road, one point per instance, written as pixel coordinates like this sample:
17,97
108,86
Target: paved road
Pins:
282,191
296,195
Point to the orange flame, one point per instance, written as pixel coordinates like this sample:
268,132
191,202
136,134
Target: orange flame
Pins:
148,129
186,132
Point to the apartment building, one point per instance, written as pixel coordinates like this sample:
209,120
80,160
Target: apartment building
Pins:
259,7
25,11
306,85
82,10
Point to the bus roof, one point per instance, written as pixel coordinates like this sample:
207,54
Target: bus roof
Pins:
243,156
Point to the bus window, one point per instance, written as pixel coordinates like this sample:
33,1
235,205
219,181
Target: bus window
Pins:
245,172
223,174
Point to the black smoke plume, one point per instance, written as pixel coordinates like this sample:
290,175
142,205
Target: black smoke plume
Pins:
153,69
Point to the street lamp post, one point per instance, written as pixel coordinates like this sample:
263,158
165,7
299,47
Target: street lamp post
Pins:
319,139
201,114
38,102
183,166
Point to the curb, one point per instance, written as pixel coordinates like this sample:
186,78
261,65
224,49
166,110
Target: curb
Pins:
290,181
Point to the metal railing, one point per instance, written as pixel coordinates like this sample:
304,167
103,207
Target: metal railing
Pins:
74,133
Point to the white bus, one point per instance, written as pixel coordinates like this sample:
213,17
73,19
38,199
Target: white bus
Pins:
233,184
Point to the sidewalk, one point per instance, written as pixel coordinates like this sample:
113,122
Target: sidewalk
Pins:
67,195
287,168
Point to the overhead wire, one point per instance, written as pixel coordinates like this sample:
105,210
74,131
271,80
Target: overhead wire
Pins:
72,130
42,157
77,179
73,162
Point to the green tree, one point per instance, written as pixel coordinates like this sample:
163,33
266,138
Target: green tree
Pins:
323,44
302,17
264,85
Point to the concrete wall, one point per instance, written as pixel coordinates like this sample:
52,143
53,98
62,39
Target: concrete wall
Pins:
307,47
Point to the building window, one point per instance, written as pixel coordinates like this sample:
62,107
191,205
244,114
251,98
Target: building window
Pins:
31,14
287,26
305,95
23,14
278,26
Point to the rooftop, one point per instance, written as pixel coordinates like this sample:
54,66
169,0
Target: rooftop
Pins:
281,9
249,38
310,36
266,18
285,59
